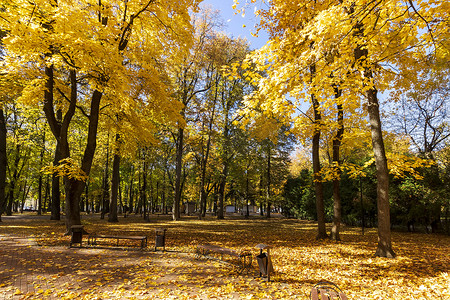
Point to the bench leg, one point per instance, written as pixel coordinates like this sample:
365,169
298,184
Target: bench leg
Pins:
245,263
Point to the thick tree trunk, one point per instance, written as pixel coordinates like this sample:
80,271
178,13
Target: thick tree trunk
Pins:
318,186
384,248
336,160
3,161
179,164
74,188
114,188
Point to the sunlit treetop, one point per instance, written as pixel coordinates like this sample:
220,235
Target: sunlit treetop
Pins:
117,47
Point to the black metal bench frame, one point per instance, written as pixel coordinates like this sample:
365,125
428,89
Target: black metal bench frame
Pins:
244,257
92,238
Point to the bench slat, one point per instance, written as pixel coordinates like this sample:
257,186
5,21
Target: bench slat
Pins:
92,239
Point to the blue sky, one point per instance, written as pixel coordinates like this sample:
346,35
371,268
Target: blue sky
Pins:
234,23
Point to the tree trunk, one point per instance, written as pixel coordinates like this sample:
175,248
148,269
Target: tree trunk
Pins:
163,195
179,162
225,158
74,187
384,248
261,195
114,186
56,192
269,204
46,205
54,120
86,197
247,191
223,182
130,202
320,206
39,208
337,215
204,162
3,161
13,181
105,184
144,189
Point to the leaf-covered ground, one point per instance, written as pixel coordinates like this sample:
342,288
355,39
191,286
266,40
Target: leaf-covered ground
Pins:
46,268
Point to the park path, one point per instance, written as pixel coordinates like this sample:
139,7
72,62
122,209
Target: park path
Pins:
30,271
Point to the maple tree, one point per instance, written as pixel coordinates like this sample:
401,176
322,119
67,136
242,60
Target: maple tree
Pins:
120,40
192,80
357,42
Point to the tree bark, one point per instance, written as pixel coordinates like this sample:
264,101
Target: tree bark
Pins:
223,182
56,192
130,202
74,188
114,185
144,188
13,181
105,184
39,208
3,161
337,209
318,186
269,204
179,164
384,248
54,121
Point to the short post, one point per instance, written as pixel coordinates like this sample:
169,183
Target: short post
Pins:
160,238
76,232
264,261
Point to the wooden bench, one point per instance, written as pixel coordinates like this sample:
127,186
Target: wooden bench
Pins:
327,291
93,237
244,258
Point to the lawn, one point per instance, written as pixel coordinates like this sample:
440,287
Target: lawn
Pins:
420,271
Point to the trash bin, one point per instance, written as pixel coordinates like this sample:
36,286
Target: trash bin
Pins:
76,232
264,261
160,238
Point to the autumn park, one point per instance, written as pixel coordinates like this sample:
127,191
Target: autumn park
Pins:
147,153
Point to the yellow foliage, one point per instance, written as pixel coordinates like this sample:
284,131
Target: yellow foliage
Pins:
398,37
67,167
